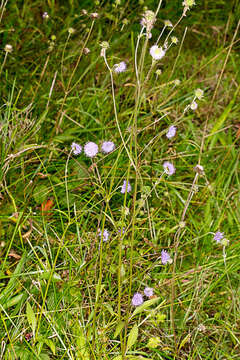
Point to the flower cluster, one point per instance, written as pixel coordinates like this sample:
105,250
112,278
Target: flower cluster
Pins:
91,149
137,299
165,258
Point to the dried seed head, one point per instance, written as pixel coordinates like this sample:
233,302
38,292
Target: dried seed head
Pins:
94,15
199,169
86,51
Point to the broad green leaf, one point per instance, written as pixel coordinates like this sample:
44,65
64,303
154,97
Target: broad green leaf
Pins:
132,338
119,328
145,305
82,351
31,317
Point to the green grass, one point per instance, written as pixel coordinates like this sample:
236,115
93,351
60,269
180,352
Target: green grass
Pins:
64,293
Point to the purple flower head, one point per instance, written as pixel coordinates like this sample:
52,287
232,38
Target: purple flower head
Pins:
121,231
169,168
148,291
126,187
90,149
103,234
121,67
137,299
107,147
165,257
76,148
218,236
171,132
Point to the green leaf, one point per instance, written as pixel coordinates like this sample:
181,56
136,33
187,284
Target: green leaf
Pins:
220,121
119,328
132,338
31,317
82,351
51,344
46,275
40,193
13,301
145,305
119,357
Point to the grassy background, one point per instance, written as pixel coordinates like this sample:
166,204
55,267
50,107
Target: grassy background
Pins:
58,286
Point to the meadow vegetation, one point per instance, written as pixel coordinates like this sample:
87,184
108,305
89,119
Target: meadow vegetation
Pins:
119,180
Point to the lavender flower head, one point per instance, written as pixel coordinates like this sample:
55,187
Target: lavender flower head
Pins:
171,132
76,148
90,149
148,291
107,147
165,257
126,187
103,234
121,67
218,236
137,299
169,168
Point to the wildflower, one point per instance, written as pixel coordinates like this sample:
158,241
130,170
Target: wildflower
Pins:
121,67
218,236
126,187
84,12
71,31
94,15
169,168
165,257
177,82
90,149
121,231
45,15
86,51
148,20
8,48
171,132
158,72
148,291
199,93
156,52
174,40
199,169
188,3
168,23
103,234
194,105
76,148
107,146
137,299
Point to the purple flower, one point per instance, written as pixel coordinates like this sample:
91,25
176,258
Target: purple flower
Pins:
76,148
137,299
148,291
126,187
165,257
121,67
218,236
107,146
171,132
90,149
169,168
103,234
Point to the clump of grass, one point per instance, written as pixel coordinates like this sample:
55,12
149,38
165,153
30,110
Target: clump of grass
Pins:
119,185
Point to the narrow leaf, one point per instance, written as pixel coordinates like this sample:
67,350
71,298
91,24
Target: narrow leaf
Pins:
31,317
119,328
